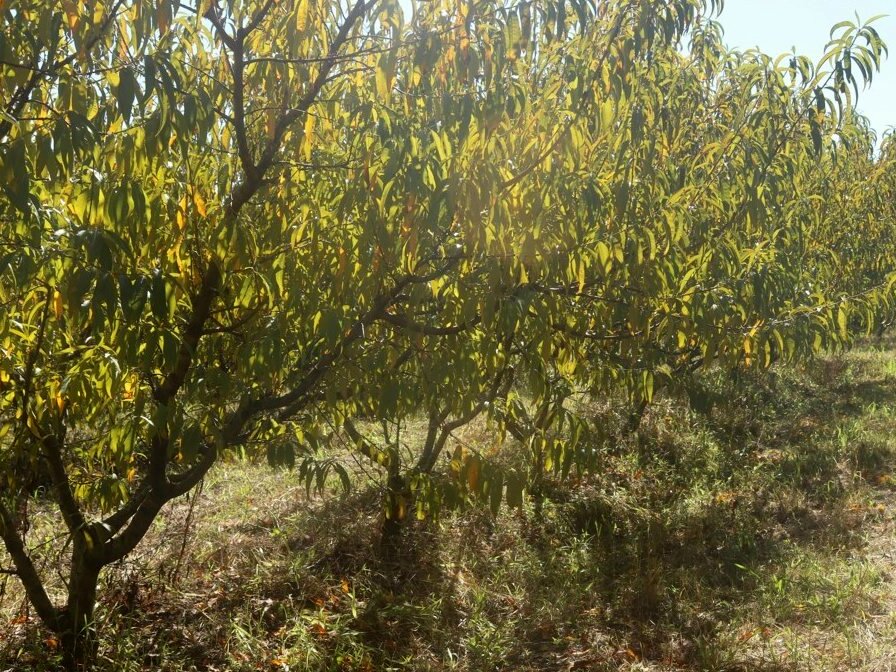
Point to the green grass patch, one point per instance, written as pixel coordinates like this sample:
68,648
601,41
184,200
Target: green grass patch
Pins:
750,531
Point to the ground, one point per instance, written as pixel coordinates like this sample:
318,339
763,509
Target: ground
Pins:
750,529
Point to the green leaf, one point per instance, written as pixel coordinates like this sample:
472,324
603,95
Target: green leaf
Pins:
126,92
388,402
496,490
158,297
514,492
133,295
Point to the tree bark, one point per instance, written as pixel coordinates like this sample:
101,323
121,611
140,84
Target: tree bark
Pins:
393,524
78,629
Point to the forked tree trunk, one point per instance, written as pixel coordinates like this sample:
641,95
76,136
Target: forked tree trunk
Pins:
78,629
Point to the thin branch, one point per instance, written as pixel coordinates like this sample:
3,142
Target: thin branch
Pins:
256,20
26,570
402,321
71,512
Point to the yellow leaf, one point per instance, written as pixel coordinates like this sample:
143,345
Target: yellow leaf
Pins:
473,474
383,85
843,322
123,42
199,202
130,386
72,14
182,213
603,255
271,123
57,304
302,15
163,16
308,137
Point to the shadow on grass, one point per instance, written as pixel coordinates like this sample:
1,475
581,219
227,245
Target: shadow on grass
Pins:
690,523
695,536
684,536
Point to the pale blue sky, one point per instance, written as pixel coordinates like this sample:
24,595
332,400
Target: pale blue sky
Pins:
775,26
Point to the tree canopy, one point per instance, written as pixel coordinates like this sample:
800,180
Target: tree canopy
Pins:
230,225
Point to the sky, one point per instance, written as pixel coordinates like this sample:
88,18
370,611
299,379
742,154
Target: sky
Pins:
776,26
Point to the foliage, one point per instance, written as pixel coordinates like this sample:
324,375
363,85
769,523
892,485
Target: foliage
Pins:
232,226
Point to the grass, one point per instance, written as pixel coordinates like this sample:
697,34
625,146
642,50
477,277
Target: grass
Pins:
755,534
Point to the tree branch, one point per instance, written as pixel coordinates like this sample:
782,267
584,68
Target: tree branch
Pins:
71,512
365,446
286,120
256,20
405,323
26,570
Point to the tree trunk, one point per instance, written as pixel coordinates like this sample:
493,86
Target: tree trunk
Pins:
390,541
393,525
636,415
79,638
